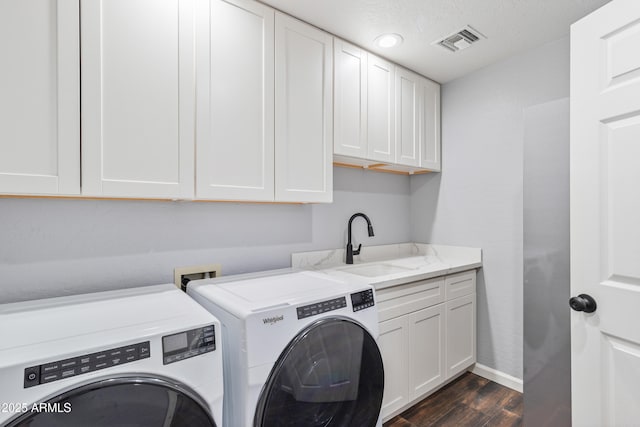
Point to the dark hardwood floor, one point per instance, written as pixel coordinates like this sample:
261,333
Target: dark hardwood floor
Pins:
469,401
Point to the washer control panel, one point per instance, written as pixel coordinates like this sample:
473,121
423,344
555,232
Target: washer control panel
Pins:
61,369
186,344
363,299
321,307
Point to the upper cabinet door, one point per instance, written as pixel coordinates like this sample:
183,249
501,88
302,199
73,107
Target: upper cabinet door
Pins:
138,98
350,100
380,109
304,112
408,99
235,111
430,125
39,97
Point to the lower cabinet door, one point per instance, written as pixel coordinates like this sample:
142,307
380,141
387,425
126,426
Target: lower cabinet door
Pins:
461,334
426,350
392,341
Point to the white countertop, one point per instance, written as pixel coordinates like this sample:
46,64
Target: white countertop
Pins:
396,264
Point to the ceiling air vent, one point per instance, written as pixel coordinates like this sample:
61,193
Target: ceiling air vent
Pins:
460,39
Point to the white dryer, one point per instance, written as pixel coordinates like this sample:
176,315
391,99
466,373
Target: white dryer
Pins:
300,349
148,356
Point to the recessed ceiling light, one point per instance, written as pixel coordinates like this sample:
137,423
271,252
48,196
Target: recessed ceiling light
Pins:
388,40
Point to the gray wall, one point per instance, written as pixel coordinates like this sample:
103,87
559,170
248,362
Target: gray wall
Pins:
54,247
477,199
547,323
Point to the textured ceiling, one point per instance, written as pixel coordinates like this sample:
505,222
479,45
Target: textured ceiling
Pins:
511,26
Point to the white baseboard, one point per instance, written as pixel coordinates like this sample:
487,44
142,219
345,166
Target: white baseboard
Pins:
498,377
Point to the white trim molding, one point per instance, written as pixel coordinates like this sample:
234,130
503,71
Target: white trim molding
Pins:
497,376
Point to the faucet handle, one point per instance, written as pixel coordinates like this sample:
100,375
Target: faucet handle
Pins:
357,251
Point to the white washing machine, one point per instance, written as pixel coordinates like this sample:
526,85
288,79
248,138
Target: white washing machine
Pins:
147,356
300,349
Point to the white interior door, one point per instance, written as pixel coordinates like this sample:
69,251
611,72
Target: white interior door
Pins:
605,202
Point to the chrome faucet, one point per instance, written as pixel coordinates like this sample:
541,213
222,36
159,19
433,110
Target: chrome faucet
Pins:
350,251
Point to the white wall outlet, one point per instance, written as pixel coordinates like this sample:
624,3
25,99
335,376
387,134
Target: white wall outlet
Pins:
182,275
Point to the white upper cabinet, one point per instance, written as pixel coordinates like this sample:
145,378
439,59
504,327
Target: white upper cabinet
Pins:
385,117
235,101
303,112
205,99
39,97
138,98
417,120
408,100
350,100
429,125
264,105
380,109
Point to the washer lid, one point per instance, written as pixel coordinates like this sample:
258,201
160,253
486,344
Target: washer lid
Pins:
243,297
53,328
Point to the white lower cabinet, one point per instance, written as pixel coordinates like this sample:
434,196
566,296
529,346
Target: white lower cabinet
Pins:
427,336
393,342
461,333
426,345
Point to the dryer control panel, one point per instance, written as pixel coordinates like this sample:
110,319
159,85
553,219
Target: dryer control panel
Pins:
186,344
61,369
321,307
362,300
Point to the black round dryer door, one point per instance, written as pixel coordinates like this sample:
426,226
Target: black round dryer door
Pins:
331,374
122,402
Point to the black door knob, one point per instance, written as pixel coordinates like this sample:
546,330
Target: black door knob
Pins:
583,302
